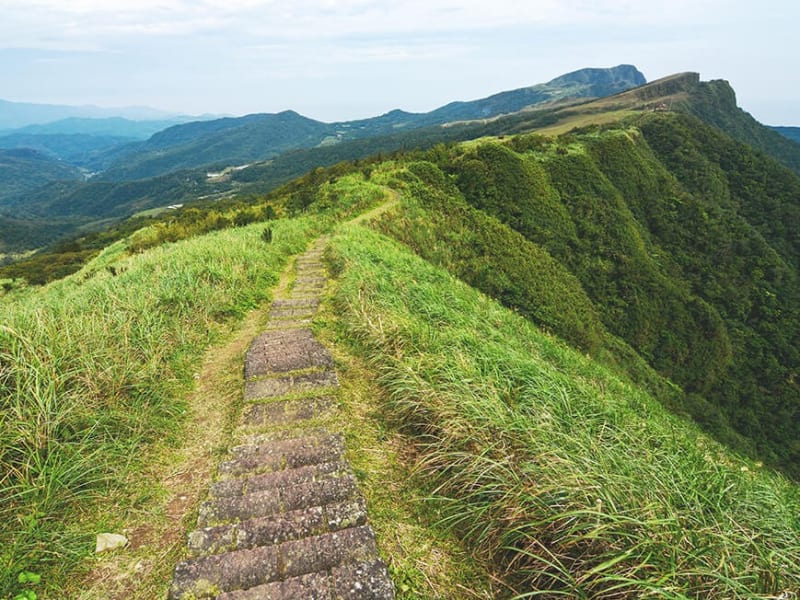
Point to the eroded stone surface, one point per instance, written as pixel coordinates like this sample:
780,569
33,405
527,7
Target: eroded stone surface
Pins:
278,479
314,586
362,581
284,351
286,412
274,387
284,454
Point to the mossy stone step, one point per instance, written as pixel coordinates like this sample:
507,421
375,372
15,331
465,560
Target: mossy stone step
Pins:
287,412
284,351
274,387
210,576
264,503
244,485
359,581
284,454
274,529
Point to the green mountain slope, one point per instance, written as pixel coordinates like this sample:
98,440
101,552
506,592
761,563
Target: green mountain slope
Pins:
616,238
263,136
792,133
22,170
103,127
591,83
570,482
77,149
223,141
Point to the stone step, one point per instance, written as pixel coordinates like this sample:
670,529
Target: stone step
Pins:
288,412
246,443
246,485
312,282
265,503
359,581
209,576
273,387
275,529
284,454
292,313
295,303
284,351
287,324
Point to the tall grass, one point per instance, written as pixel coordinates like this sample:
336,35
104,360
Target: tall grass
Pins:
92,369
572,482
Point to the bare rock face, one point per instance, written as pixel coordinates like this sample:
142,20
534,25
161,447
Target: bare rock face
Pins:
285,519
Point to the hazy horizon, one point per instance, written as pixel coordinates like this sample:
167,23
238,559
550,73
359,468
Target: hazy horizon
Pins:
340,60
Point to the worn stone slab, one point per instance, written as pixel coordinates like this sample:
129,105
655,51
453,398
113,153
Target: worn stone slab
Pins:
295,303
362,581
288,412
264,503
264,438
274,387
284,351
323,552
233,508
311,283
207,576
292,313
317,493
310,280
286,324
288,454
259,531
275,529
342,515
242,485
314,586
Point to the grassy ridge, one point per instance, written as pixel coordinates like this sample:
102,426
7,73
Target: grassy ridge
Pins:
665,247
93,368
572,482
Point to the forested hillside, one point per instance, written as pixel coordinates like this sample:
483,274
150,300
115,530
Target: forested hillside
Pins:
665,235
22,170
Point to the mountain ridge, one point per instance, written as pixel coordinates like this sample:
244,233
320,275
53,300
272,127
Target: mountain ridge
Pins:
245,146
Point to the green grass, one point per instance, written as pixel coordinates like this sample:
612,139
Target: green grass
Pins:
95,367
95,370
571,482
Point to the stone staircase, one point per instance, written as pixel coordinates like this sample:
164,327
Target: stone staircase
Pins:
285,519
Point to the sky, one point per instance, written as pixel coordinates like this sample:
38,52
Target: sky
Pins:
345,59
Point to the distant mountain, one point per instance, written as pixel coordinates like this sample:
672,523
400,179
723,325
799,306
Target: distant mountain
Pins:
14,115
257,137
78,149
792,133
23,170
586,83
107,127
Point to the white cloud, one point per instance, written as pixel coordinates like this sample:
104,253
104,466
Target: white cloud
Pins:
48,23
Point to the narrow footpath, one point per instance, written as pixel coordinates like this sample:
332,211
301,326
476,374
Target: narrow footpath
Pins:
284,518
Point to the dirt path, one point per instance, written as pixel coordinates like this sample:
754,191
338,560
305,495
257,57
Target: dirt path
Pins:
285,519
